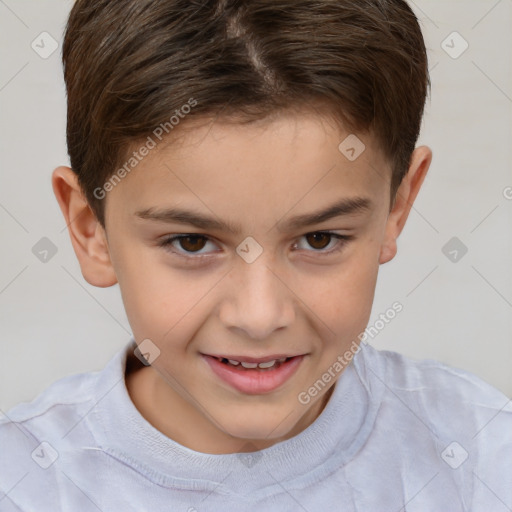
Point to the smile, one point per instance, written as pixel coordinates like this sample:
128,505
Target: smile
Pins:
273,363
253,377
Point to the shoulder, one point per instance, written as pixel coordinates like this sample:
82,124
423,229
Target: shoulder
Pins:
450,402
63,397
51,432
439,384
464,419
50,413
443,419
67,398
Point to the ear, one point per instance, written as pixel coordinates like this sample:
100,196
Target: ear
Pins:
405,196
87,235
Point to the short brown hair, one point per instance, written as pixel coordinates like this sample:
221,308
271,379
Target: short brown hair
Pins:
129,65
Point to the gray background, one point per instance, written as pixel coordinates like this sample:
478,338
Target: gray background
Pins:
53,323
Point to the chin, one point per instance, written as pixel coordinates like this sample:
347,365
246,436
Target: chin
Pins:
258,427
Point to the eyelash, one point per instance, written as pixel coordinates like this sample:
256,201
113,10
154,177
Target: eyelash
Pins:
166,244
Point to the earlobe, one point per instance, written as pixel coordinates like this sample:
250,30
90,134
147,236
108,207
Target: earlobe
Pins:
388,250
86,233
405,197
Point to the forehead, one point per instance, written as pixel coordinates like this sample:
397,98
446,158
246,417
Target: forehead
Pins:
296,161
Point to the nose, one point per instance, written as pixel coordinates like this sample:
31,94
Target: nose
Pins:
258,300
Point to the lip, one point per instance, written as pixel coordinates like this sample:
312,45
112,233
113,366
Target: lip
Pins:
254,381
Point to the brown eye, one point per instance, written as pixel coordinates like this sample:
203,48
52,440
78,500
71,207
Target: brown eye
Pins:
189,243
318,240
192,243
324,243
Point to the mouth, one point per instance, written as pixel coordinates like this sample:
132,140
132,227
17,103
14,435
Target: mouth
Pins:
254,375
244,363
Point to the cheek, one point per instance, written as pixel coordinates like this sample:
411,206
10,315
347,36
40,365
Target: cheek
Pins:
163,304
341,300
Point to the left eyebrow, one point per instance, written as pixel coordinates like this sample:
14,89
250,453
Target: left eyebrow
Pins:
346,206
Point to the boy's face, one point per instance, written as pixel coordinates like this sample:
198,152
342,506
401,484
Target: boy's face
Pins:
270,289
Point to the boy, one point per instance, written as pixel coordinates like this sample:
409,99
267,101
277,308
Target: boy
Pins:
242,169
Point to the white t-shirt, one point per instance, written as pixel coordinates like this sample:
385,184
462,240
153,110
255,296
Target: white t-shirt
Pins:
396,435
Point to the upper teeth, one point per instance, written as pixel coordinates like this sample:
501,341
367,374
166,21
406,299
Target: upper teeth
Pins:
267,364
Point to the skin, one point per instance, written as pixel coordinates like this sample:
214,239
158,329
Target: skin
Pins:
292,299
